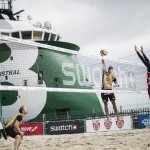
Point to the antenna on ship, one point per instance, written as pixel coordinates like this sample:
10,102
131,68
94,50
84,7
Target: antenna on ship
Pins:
47,25
29,17
17,13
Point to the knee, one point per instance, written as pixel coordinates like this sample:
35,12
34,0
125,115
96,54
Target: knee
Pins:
113,102
18,137
21,137
105,104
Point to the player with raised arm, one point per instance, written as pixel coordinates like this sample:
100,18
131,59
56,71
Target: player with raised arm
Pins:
107,79
146,62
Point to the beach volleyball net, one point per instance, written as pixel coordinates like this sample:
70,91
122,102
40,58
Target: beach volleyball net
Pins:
32,67
80,71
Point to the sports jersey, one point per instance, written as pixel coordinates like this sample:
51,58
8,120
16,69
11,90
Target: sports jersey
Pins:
146,62
107,80
11,123
148,82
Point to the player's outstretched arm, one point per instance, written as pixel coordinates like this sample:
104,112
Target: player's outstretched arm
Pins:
145,57
116,83
147,64
135,47
103,63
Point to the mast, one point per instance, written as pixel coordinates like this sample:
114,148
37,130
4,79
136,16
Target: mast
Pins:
10,5
6,9
6,5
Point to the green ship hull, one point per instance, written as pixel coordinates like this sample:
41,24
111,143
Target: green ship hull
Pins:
59,70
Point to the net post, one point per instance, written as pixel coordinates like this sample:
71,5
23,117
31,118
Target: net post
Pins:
121,109
85,126
43,116
0,105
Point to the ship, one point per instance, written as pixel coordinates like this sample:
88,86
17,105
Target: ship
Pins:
30,66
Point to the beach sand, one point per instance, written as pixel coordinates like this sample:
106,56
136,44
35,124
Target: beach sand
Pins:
116,140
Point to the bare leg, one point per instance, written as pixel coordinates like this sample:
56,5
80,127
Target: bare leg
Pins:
106,110
17,142
20,141
115,108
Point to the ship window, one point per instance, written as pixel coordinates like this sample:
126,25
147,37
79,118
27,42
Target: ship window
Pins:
37,35
5,33
40,77
15,34
26,34
58,38
52,37
46,36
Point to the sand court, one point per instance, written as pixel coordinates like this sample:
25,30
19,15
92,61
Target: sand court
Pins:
114,140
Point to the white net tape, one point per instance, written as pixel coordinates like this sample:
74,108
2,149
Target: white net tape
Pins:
24,88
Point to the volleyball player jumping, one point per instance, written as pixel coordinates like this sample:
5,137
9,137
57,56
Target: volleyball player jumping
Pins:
107,79
146,62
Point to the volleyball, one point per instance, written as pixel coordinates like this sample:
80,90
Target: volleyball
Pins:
104,52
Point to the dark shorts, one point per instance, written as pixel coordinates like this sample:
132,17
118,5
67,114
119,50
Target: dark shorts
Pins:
106,96
11,132
148,91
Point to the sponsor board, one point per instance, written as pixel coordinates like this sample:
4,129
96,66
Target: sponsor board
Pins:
68,127
113,124
144,121
32,129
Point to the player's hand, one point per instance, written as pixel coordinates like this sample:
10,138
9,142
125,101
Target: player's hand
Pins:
142,50
116,85
101,53
135,47
22,133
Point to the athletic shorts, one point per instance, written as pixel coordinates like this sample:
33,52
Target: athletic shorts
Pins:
11,132
106,96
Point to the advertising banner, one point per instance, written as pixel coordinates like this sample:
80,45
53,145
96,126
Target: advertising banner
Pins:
144,121
32,129
68,127
103,125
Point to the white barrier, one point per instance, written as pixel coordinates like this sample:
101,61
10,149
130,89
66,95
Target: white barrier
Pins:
97,125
